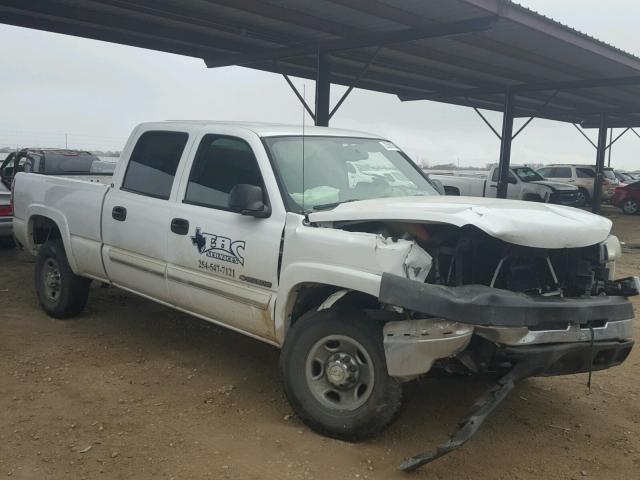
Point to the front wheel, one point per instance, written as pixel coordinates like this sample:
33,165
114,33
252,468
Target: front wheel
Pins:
61,293
631,207
335,374
582,198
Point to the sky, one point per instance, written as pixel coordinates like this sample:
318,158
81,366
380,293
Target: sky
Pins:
89,94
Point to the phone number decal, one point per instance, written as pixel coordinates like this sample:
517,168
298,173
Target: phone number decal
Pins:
217,268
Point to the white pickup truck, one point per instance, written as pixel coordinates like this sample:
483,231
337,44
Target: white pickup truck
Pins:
524,184
364,285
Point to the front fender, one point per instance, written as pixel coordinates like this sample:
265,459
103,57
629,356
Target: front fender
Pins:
300,273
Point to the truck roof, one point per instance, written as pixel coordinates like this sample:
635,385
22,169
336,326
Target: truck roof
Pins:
270,129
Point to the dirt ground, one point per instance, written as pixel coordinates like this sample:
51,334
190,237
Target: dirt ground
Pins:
135,390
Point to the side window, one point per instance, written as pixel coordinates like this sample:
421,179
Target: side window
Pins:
562,172
154,162
496,174
545,172
585,173
220,163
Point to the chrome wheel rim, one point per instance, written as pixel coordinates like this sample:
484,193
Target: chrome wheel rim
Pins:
339,372
581,199
51,280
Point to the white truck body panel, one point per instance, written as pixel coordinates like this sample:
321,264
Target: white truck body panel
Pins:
74,205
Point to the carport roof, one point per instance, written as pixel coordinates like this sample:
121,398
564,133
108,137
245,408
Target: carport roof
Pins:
557,72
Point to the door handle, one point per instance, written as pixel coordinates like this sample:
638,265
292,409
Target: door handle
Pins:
180,226
493,186
119,213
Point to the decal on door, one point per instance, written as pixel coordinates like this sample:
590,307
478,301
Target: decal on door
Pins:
219,247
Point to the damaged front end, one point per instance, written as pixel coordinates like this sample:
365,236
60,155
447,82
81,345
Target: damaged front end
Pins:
484,305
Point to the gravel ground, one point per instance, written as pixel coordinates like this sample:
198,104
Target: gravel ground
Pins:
135,390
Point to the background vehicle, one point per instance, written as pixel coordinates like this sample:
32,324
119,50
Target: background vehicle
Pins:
524,184
6,214
49,161
582,177
623,177
627,198
364,287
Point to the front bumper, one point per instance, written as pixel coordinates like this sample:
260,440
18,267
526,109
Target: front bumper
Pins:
567,358
480,305
564,197
567,334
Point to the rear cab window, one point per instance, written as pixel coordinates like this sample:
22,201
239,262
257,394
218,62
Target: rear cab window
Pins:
153,163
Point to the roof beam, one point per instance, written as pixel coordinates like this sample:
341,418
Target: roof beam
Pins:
360,41
528,87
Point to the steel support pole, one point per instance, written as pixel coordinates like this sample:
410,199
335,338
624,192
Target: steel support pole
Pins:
601,151
505,144
323,89
610,146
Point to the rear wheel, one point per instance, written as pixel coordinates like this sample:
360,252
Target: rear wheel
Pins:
335,374
631,207
61,293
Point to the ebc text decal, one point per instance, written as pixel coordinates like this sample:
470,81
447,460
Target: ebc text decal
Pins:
219,247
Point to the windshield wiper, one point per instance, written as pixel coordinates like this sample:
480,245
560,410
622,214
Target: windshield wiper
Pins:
329,206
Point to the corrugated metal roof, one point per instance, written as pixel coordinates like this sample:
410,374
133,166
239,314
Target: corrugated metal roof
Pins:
523,47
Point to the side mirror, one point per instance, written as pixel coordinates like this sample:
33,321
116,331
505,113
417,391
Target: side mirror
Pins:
248,200
437,184
512,180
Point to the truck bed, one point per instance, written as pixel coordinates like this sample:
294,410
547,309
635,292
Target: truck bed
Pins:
80,200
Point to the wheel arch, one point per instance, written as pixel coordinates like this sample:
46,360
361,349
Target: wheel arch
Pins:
307,286
45,224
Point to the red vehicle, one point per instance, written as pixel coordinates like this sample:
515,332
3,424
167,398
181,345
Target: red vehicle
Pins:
627,198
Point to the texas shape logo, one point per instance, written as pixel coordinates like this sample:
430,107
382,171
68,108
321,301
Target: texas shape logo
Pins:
218,247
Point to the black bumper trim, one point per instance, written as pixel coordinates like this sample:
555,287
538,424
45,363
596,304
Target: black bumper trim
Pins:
568,358
486,306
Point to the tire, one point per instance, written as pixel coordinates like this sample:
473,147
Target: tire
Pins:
61,293
582,199
351,413
631,207
7,242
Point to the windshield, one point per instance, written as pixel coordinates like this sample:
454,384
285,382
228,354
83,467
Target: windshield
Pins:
343,169
608,173
526,174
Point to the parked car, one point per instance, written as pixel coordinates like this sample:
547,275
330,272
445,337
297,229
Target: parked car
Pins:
363,287
524,184
627,198
6,214
50,161
582,177
623,177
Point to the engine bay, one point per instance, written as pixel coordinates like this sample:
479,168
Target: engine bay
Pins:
468,256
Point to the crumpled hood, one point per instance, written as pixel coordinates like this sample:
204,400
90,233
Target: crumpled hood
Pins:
531,224
556,185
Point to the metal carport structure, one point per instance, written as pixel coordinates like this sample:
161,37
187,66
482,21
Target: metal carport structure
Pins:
485,54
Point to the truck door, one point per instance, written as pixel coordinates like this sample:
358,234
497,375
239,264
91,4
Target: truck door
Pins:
514,189
135,220
223,265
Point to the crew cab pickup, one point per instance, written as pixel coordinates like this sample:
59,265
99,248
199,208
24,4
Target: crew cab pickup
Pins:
363,284
524,183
